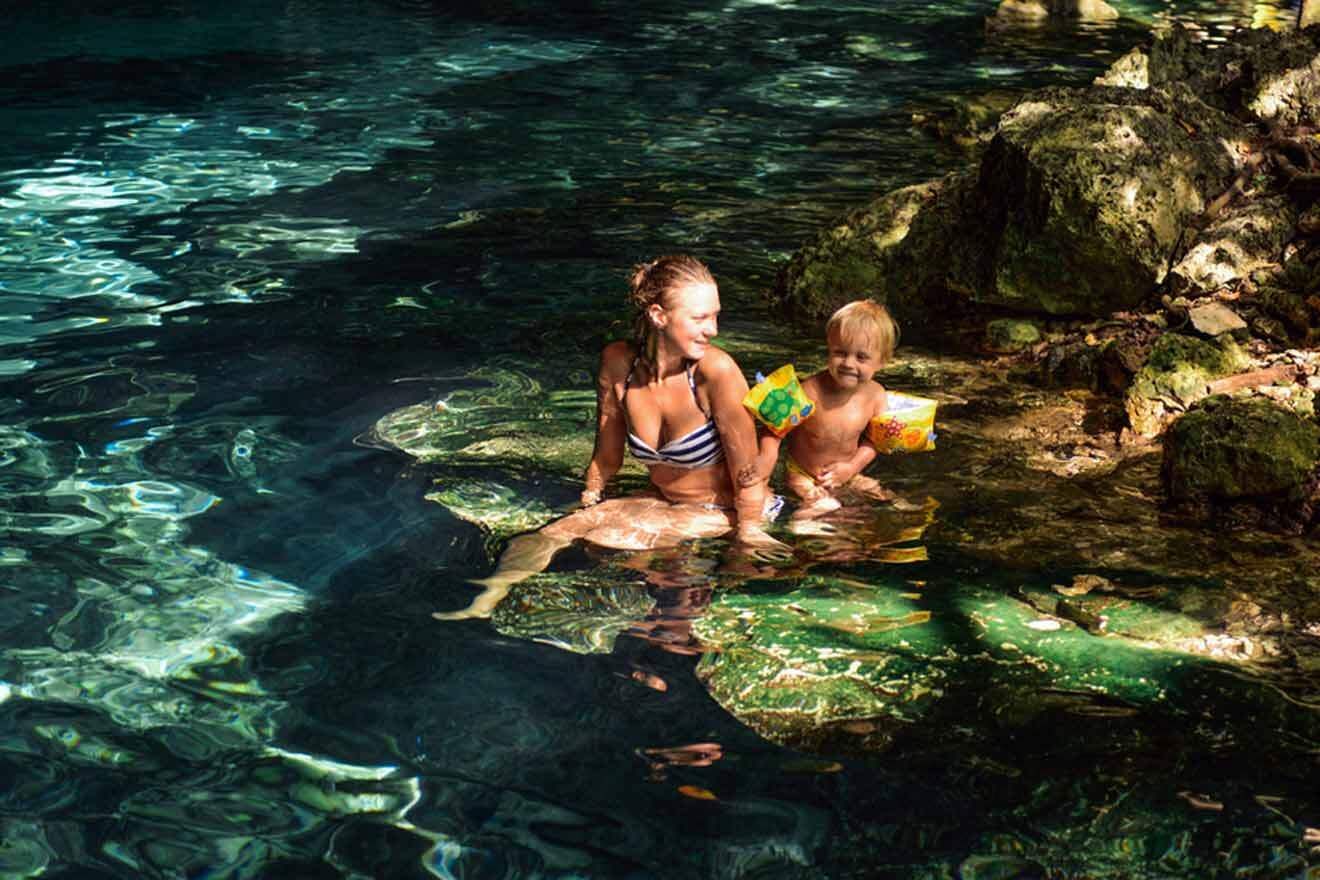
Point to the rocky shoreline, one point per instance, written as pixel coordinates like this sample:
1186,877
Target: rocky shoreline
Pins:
1152,238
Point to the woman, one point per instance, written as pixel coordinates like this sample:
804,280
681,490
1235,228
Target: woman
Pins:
674,401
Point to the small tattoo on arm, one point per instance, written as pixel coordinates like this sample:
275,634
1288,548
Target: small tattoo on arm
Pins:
749,476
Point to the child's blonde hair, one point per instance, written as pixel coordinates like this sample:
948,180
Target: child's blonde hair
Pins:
869,320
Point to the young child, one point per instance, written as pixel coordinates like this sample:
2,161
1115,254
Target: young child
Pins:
827,452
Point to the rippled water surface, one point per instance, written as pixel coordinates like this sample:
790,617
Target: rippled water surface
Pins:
245,250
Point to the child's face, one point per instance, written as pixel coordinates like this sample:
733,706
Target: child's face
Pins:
691,321
852,362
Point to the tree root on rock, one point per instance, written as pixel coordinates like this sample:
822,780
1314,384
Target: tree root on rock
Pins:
1293,154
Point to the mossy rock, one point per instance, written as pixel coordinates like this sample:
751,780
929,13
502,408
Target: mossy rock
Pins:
1011,334
1231,449
853,258
1175,376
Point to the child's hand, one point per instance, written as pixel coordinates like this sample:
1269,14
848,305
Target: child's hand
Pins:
832,476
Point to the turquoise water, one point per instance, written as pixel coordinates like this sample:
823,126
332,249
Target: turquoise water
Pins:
238,236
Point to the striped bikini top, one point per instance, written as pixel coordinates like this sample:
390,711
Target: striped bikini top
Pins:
698,448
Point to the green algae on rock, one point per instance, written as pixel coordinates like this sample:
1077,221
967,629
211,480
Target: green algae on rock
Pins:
1009,334
1228,451
1175,376
841,664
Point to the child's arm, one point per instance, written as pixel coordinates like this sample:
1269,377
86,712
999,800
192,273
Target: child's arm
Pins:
611,432
768,453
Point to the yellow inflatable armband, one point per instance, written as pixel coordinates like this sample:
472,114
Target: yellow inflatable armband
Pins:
778,402
906,425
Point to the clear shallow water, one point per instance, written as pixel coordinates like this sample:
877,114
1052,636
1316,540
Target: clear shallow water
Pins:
233,239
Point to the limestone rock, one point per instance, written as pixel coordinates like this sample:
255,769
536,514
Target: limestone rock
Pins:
1132,71
1174,377
1076,208
1230,451
1250,237
1214,319
1258,75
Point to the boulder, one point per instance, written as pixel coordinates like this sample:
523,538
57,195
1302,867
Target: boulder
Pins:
1244,455
1083,195
1077,207
860,255
1175,376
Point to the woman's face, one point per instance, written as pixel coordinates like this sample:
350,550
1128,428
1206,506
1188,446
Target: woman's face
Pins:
690,321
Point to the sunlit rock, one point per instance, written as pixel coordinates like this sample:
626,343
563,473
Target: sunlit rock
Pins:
1175,376
1260,75
1249,237
1132,71
1011,12
1077,207
1245,455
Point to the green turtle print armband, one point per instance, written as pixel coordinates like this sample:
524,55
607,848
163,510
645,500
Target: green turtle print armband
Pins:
906,425
778,402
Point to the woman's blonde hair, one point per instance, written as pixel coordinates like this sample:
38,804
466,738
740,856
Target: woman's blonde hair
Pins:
656,282
869,320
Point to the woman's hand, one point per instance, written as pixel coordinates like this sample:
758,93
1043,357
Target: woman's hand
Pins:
589,497
760,544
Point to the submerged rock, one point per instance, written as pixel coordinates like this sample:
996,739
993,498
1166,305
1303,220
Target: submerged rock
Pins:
1244,456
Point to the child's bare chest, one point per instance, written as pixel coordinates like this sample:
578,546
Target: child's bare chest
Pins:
836,424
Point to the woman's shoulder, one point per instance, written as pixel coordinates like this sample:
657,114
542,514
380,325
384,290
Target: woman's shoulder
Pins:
717,365
617,356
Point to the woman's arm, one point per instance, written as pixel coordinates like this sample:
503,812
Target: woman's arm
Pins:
726,388
611,428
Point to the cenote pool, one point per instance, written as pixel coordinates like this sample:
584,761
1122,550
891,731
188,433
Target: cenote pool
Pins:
299,305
